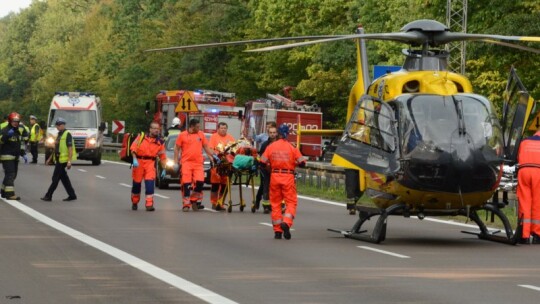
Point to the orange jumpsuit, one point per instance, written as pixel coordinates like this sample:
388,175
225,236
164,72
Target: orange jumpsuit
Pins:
528,189
147,151
215,178
283,158
191,160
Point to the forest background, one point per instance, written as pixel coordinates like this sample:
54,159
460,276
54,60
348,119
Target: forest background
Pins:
98,46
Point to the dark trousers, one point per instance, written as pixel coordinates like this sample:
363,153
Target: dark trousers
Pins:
264,186
34,151
10,174
60,174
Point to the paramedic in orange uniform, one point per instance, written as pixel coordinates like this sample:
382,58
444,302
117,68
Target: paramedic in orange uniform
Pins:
282,158
144,154
189,146
219,183
528,189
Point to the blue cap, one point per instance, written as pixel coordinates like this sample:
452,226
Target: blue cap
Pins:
60,121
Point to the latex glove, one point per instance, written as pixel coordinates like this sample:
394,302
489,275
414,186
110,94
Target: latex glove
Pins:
163,173
11,132
135,162
302,164
217,161
25,159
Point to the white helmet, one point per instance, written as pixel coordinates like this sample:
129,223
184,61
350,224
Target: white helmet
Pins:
175,122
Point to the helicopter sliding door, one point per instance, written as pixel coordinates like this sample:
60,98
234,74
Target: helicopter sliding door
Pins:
370,138
517,108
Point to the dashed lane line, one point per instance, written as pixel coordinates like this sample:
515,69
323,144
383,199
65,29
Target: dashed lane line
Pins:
384,252
99,176
530,287
82,170
125,185
162,196
150,269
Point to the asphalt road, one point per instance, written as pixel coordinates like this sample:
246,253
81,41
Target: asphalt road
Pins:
97,250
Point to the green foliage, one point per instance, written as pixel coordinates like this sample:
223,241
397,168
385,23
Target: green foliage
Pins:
97,45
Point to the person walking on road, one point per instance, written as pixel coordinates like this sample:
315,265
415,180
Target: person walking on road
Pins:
218,140
35,138
528,188
283,159
145,150
189,159
12,144
64,153
264,188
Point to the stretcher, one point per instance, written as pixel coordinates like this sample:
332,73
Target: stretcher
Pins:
235,176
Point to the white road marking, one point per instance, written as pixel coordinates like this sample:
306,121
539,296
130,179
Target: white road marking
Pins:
82,170
322,201
116,162
530,287
99,176
125,185
158,273
270,225
384,252
162,196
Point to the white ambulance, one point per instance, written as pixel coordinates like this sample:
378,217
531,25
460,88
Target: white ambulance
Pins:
82,113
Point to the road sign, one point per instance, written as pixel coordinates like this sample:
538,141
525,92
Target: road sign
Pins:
118,126
187,103
379,70
535,124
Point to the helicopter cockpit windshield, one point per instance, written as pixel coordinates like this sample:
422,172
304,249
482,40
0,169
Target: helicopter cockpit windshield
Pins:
437,121
449,141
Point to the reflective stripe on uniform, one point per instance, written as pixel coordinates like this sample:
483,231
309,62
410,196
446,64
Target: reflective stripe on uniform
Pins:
277,222
7,157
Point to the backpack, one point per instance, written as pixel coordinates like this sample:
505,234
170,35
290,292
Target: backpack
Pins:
125,151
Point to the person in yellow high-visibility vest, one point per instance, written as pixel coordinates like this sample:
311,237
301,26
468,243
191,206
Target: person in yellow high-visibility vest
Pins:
35,138
64,153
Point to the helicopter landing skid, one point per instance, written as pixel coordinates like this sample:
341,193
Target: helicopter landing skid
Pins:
379,231
511,237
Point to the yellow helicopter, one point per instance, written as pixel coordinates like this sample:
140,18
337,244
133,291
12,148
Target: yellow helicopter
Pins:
419,140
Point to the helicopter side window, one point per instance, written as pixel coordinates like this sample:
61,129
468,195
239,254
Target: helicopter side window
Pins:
373,125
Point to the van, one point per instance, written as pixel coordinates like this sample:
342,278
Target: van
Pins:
82,113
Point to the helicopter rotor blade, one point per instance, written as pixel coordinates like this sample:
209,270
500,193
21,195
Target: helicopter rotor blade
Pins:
512,45
411,37
446,37
244,42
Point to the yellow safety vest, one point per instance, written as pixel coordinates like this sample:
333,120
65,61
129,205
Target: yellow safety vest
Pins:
35,136
64,152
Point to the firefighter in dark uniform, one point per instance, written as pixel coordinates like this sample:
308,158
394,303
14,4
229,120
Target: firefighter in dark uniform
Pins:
12,141
64,153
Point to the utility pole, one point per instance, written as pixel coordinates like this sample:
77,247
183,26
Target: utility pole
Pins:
456,20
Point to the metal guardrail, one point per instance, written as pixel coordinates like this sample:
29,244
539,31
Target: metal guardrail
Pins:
316,174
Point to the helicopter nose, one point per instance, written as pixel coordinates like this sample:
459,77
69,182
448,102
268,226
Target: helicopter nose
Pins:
462,156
